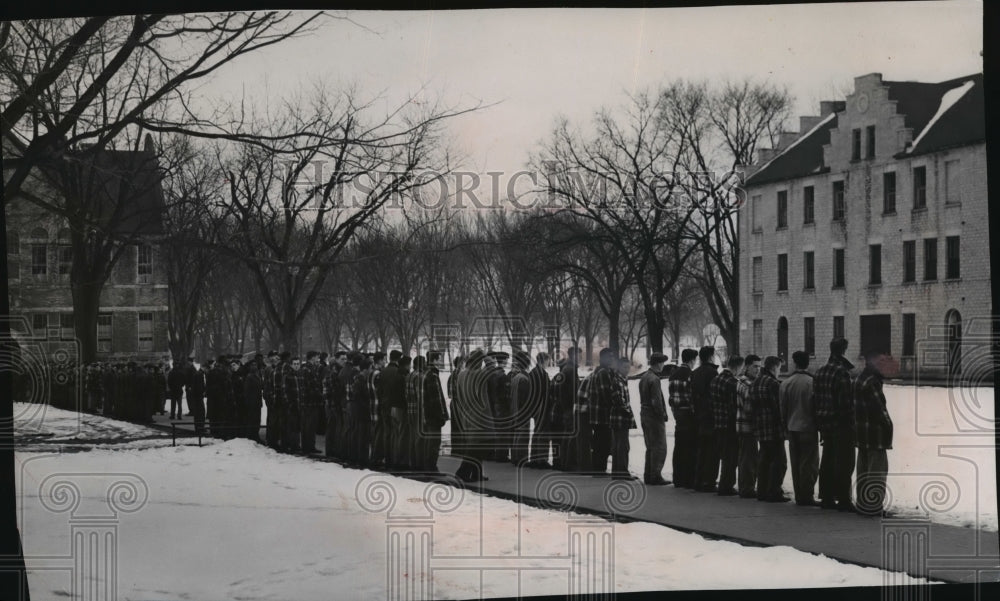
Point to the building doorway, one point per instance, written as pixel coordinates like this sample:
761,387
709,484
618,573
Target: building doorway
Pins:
953,319
783,343
876,334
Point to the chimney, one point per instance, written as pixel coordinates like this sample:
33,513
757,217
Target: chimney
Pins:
148,146
827,106
787,137
807,123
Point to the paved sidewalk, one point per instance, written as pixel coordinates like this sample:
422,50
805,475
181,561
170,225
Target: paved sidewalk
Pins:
917,547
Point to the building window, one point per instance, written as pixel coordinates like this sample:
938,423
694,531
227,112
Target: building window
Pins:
930,259
144,263
909,333
838,268
65,259
919,188
838,201
808,199
758,335
870,139
782,209
758,263
782,272
39,259
889,192
855,144
838,326
104,332
39,324
66,328
755,212
13,243
809,327
951,258
808,270
145,331
952,183
875,264
910,261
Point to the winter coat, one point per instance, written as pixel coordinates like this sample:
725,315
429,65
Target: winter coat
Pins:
724,391
651,400
701,395
832,396
767,415
874,426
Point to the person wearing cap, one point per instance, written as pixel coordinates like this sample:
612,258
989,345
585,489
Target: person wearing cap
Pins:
379,413
194,393
252,393
498,389
833,401
294,389
237,414
217,392
401,417
541,413
414,390
571,426
600,392
333,398
685,426
346,435
271,435
433,414
391,392
747,460
310,402
474,418
521,408
359,415
725,396
653,418
175,386
795,396
873,433
707,461
772,464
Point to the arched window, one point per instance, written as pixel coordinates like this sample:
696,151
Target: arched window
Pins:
40,233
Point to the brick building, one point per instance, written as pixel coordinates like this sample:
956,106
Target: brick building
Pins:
132,320
871,223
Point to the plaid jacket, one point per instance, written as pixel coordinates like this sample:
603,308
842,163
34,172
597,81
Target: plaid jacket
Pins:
434,411
601,395
621,415
359,389
701,394
293,387
874,426
313,384
744,410
413,391
679,388
372,376
723,391
832,396
278,383
766,412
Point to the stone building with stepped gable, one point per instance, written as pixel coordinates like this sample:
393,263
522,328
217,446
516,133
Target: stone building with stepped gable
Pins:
872,223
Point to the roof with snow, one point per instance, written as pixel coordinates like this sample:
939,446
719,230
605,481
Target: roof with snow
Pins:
942,115
802,157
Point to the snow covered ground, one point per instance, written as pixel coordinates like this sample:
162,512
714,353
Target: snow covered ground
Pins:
235,520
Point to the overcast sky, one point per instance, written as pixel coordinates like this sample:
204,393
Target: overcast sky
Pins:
540,63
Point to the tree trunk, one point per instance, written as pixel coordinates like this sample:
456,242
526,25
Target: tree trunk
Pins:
86,306
654,330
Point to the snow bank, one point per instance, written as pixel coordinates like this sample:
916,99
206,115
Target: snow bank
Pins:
237,520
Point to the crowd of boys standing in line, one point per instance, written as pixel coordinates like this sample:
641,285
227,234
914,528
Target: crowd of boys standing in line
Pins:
387,413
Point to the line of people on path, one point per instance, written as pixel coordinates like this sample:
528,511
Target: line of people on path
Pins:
731,422
732,425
